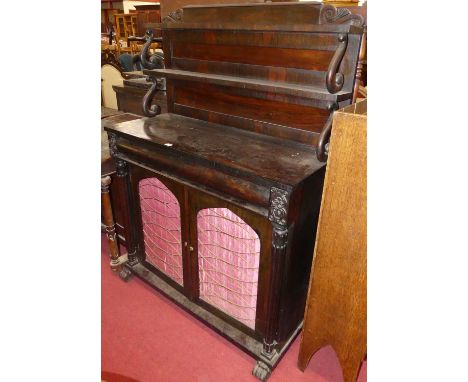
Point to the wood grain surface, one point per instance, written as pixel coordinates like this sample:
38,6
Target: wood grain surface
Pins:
337,302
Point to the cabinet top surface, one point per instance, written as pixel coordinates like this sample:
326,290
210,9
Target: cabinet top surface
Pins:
225,147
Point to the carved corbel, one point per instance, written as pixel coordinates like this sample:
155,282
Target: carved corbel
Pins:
279,201
112,144
323,141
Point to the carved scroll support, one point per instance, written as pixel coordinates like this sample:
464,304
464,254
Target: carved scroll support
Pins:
148,109
117,262
278,215
154,61
323,141
335,79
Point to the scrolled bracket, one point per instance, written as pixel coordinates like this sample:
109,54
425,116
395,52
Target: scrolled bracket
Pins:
148,109
155,61
335,79
322,145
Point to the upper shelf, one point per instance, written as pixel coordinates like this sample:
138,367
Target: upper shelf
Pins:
303,91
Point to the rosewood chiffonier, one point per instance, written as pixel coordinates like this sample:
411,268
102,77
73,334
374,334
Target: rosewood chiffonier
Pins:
223,190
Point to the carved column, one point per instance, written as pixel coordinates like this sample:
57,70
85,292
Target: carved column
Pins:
122,173
278,253
279,200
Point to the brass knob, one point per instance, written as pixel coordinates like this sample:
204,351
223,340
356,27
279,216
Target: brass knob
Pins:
191,249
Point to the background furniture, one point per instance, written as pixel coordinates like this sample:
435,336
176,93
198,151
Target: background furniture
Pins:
125,27
111,74
108,169
147,14
336,306
223,191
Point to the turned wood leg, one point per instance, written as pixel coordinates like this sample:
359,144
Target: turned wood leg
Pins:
117,262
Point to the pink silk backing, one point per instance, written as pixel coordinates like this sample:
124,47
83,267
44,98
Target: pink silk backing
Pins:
160,214
228,260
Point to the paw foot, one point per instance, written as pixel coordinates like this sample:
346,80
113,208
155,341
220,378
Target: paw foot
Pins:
262,371
125,273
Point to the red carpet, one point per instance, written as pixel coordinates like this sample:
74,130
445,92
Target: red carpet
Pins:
147,338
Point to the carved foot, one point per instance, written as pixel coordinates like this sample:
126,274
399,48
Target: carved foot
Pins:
261,370
125,274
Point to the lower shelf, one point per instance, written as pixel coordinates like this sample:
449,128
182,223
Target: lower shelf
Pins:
248,344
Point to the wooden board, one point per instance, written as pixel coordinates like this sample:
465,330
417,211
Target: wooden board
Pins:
168,6
336,307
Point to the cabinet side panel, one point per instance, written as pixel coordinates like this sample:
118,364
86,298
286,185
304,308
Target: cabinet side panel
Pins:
228,259
299,259
160,215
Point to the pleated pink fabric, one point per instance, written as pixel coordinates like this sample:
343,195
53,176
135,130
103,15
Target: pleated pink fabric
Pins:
228,260
160,213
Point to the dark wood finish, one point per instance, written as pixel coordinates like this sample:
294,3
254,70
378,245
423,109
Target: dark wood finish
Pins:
117,261
131,94
361,71
247,102
108,169
336,308
135,95
169,6
146,14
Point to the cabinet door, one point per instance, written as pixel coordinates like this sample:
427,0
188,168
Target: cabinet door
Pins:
228,247
159,212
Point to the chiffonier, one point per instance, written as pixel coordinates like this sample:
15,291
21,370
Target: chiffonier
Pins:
223,191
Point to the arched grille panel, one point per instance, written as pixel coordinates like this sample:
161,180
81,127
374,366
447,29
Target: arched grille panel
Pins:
160,214
228,261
